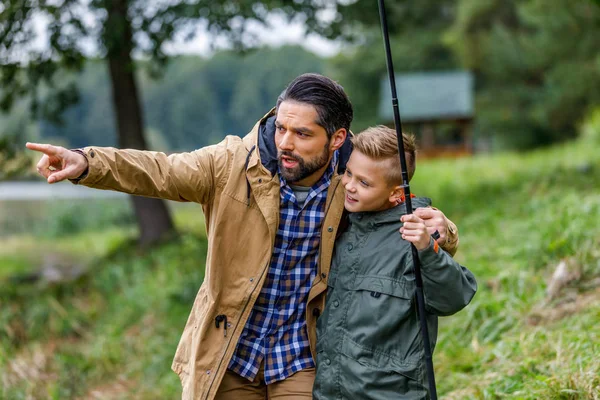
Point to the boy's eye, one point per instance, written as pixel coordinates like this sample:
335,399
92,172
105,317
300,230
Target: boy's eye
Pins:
348,173
364,183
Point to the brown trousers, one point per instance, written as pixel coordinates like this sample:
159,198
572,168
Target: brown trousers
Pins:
296,387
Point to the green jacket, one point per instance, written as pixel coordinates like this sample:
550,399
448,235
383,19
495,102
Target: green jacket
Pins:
369,344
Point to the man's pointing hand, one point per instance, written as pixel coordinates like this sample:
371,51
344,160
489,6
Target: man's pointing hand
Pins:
58,163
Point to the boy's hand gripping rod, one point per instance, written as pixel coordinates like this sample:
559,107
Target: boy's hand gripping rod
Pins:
408,203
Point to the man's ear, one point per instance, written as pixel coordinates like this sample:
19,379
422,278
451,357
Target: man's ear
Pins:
338,139
397,195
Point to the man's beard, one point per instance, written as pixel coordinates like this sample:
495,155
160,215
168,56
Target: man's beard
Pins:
303,169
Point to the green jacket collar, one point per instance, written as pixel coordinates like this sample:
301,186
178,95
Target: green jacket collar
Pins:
391,215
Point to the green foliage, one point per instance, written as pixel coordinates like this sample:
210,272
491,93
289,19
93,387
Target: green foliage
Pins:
24,71
354,17
536,65
73,219
591,127
12,160
17,125
91,120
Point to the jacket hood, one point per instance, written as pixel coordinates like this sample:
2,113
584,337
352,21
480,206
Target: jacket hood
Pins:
268,149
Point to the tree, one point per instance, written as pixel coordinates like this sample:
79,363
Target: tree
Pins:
123,27
536,64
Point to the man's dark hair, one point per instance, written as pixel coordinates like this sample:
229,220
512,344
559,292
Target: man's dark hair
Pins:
333,107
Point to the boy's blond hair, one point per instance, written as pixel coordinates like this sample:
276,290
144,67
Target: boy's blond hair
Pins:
380,143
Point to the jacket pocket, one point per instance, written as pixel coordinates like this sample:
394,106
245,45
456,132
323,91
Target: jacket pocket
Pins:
380,316
400,288
369,374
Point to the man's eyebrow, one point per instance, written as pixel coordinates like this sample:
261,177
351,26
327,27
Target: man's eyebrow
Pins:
300,129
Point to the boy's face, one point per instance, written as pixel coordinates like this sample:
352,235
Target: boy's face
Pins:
366,186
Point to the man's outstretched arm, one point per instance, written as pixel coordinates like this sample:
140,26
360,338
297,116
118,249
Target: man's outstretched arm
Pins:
180,177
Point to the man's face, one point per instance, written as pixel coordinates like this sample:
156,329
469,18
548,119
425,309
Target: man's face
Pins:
365,185
303,149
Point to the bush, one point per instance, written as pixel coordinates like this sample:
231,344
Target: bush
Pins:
591,127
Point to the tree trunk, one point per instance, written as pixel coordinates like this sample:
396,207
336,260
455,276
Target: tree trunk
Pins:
153,217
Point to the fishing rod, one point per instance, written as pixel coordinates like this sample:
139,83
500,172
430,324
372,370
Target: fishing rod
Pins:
408,203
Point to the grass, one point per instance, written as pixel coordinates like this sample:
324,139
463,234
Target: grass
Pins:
122,321
112,333
519,216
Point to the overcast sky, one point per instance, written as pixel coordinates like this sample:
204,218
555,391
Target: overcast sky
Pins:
280,32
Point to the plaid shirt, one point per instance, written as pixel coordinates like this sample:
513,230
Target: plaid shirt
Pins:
276,329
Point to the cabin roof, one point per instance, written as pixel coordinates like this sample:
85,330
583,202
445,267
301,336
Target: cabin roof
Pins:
429,96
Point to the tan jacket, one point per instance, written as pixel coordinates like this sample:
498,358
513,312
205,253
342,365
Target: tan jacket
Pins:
240,199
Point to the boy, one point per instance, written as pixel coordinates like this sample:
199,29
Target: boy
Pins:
369,344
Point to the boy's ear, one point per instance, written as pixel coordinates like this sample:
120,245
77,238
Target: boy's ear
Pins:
397,195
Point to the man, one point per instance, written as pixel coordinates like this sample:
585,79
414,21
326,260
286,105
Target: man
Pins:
272,203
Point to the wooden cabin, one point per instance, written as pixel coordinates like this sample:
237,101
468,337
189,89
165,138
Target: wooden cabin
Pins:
437,107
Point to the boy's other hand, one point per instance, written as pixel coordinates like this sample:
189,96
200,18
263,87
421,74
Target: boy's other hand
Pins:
415,231
58,163
435,220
